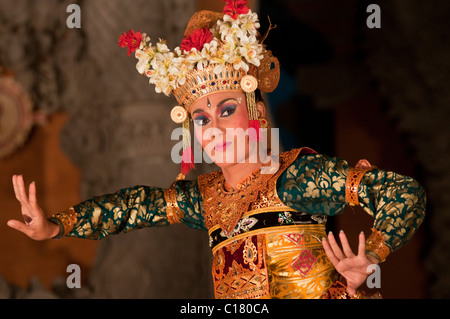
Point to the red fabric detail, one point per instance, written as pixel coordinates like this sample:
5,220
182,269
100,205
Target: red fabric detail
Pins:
187,160
254,130
307,151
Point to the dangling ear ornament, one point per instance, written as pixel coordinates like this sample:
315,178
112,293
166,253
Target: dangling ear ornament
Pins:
249,84
178,114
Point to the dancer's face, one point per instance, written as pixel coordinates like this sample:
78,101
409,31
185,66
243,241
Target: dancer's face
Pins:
221,126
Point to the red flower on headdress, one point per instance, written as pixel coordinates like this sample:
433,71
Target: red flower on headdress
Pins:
197,39
131,40
235,7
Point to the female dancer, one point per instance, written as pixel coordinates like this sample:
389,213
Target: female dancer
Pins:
265,214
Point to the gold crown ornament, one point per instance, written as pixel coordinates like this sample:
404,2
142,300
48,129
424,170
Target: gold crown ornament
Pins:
219,52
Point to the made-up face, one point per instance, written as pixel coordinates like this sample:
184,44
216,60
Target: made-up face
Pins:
221,126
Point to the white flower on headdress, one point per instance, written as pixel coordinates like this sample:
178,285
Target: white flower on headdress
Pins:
234,43
198,58
210,48
161,47
251,51
144,61
239,63
144,54
249,22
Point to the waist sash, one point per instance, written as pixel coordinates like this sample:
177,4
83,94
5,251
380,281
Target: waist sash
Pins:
257,221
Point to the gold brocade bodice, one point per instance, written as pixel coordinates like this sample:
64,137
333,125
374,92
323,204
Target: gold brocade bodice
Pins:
223,208
261,247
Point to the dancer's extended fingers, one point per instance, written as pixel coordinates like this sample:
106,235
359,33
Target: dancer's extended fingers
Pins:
17,225
32,195
16,187
21,189
362,244
345,246
331,256
335,247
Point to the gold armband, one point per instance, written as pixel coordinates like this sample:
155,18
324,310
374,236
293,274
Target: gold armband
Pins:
339,291
66,220
375,245
173,212
354,177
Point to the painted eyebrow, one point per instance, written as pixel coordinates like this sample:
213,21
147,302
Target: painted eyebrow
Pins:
218,105
226,100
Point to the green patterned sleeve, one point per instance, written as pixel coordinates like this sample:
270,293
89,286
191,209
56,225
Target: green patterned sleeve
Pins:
128,209
190,204
315,184
396,202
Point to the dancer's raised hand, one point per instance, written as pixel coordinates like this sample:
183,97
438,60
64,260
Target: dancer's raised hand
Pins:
354,268
35,225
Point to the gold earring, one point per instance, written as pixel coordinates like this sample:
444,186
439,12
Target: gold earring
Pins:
263,122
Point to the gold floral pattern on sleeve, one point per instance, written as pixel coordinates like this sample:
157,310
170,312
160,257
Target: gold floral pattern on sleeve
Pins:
397,204
133,208
315,184
190,203
120,212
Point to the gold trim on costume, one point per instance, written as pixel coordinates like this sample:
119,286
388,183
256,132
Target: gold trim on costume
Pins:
256,232
68,218
375,244
173,212
297,264
224,208
239,269
203,82
354,177
289,257
255,212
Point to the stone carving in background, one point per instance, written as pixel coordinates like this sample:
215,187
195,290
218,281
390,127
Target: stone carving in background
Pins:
16,115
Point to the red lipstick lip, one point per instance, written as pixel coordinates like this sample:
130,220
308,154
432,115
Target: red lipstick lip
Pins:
221,147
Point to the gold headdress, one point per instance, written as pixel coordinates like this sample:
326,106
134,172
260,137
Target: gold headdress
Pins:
219,52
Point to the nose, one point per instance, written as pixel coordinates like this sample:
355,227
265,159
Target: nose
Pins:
212,133
215,130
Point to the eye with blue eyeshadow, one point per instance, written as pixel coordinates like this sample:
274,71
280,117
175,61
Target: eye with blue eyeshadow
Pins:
201,120
227,109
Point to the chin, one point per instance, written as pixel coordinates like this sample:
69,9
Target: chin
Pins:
223,162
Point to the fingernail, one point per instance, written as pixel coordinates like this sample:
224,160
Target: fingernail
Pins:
330,233
341,231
